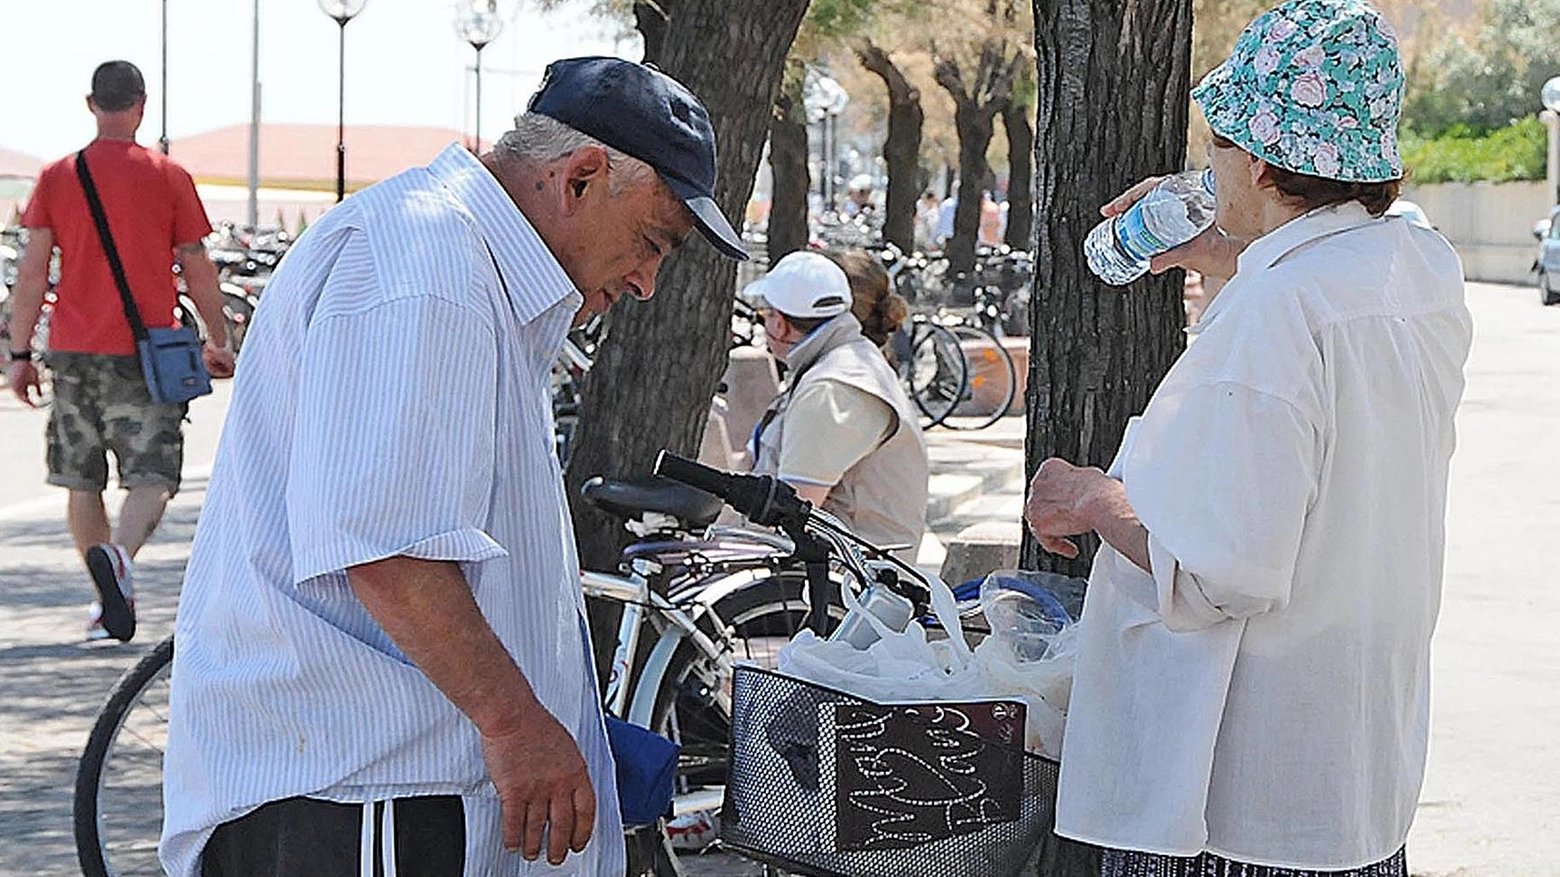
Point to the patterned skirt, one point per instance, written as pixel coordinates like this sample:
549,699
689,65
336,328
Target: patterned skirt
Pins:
1127,863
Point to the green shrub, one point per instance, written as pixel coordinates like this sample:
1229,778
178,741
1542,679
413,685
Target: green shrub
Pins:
1463,155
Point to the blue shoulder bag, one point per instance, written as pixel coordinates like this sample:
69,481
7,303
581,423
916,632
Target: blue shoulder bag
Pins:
646,771
170,358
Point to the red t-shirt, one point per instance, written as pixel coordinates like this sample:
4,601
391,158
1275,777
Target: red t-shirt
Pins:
152,208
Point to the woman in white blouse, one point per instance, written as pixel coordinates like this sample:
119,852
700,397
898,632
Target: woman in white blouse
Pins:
1252,687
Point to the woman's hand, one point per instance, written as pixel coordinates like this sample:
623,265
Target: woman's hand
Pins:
1067,500
1058,506
1213,253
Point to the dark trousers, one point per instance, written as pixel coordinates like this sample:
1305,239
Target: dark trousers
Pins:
305,837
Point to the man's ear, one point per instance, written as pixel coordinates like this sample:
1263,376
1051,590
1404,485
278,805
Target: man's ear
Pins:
585,170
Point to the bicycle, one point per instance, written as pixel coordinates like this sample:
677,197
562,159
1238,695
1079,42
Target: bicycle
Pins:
695,598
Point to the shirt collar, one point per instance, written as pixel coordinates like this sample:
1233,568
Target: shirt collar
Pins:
531,274
1270,249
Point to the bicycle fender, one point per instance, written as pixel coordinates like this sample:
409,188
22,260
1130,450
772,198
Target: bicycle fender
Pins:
642,707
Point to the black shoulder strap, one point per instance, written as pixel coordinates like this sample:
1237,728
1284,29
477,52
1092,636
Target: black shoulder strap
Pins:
133,314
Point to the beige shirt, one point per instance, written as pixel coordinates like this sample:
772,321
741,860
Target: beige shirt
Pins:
854,420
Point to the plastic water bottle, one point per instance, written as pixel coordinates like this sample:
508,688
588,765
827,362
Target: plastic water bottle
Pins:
1177,210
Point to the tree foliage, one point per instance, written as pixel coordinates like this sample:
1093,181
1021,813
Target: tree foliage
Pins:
1484,81
1515,152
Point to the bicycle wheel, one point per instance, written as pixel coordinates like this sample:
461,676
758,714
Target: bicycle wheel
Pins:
935,374
988,392
753,623
118,802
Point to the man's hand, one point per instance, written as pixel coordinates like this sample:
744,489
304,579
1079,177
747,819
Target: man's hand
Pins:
543,786
220,361
22,377
1060,503
427,608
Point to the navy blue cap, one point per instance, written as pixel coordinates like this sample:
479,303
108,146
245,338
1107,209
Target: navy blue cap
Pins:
644,113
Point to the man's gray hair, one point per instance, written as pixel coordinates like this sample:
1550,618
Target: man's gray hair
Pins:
538,139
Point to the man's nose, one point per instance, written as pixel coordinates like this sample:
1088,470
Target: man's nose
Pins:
643,281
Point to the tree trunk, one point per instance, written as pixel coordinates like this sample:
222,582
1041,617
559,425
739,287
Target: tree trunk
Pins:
1113,82
975,107
901,149
788,165
1112,108
651,21
1021,180
974,129
657,368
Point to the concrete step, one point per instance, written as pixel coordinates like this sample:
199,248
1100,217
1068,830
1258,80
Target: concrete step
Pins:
966,472
1005,505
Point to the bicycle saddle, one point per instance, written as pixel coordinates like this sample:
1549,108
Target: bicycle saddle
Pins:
633,498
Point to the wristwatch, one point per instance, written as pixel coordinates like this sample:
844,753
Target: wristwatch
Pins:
21,356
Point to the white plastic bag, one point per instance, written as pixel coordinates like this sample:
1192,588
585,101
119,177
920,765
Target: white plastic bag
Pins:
908,668
900,667
1044,686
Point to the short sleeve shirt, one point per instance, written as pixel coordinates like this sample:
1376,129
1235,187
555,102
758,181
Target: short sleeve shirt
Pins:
394,401
151,207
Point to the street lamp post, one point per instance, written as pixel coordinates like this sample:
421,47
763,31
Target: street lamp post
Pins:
478,22
825,99
162,141
342,11
1551,117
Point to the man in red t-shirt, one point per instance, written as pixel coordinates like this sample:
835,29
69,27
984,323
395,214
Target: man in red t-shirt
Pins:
101,402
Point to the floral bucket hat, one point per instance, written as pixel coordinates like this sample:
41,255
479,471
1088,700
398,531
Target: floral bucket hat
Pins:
1314,87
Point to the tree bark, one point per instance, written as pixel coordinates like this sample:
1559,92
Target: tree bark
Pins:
651,20
657,367
901,148
1021,180
1113,82
976,105
1112,102
788,164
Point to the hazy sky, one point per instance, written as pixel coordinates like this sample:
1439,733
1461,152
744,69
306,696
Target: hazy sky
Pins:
404,64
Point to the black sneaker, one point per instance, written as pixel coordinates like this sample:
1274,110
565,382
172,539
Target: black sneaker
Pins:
109,565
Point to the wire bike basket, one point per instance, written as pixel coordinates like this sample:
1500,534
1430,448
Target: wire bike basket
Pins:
824,783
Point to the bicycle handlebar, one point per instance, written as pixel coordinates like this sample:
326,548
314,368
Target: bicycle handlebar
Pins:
765,500
770,502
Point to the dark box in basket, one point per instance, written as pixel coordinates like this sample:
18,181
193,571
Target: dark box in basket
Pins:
822,782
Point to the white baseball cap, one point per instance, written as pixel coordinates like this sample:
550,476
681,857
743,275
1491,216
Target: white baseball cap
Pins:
803,284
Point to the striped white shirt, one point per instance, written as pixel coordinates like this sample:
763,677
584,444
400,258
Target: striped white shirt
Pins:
392,400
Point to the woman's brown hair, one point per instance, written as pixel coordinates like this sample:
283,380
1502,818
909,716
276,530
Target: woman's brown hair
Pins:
879,310
1312,192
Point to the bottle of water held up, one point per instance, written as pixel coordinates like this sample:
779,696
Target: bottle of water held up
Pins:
1177,210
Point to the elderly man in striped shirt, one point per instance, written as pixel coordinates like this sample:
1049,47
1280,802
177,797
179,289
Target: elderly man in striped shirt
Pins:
383,665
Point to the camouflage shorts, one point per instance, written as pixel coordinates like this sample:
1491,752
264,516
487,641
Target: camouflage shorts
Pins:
101,404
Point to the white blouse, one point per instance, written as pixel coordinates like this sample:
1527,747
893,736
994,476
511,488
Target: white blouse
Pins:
1264,693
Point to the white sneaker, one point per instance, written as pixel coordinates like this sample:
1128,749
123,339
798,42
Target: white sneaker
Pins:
693,831
109,565
95,631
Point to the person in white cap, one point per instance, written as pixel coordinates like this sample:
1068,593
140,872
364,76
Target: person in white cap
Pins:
842,432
